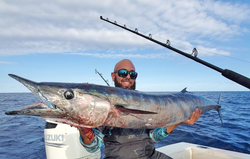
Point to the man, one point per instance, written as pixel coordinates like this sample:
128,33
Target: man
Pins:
128,143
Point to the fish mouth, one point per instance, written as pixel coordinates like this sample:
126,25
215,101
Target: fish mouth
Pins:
45,101
44,109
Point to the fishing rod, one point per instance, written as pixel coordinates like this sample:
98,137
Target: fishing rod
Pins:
236,77
102,77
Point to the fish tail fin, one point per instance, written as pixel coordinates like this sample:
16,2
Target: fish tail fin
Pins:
218,110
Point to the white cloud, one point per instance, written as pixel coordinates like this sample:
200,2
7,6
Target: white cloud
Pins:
5,63
124,55
74,26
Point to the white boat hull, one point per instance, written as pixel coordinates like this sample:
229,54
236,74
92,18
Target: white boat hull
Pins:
184,150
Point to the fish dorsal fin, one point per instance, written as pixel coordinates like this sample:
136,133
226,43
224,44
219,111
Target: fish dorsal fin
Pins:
184,90
133,111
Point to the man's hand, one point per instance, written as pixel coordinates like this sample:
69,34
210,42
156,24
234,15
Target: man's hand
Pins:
87,135
193,118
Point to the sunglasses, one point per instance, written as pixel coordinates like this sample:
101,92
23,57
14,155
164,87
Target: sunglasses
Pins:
124,73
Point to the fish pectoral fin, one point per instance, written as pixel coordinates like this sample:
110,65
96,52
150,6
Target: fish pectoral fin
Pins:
133,111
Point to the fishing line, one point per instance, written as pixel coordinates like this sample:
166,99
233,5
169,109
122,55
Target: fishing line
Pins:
202,50
174,42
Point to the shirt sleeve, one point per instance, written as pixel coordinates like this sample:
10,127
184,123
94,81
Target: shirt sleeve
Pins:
158,134
95,144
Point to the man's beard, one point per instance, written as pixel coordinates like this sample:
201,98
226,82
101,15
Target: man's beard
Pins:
117,84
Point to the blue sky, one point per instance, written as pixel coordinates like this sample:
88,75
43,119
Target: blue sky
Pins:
65,41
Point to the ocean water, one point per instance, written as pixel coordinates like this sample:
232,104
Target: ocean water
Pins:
21,137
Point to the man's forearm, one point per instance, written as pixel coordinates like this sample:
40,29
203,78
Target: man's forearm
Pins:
171,128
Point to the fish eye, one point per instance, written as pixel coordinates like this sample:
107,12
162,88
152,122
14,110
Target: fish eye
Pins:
69,94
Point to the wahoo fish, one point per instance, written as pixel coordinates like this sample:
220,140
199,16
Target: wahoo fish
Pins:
90,105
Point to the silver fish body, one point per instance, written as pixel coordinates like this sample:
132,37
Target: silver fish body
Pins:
89,105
